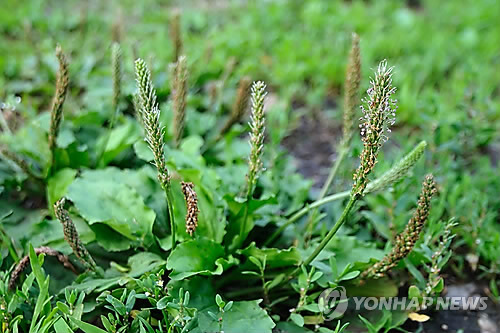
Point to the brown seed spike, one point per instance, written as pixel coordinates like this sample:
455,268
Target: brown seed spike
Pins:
405,241
71,235
175,34
23,264
239,106
352,83
192,207
62,84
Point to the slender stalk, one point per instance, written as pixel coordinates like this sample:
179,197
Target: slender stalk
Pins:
239,107
333,172
245,216
351,102
170,209
397,172
116,68
311,223
304,211
379,112
330,234
18,162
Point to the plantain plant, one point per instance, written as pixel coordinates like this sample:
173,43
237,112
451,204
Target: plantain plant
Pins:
185,213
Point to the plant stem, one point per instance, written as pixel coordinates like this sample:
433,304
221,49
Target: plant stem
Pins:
324,190
170,209
111,125
333,171
330,234
243,227
264,290
333,231
304,211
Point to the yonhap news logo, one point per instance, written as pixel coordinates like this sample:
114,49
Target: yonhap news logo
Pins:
333,303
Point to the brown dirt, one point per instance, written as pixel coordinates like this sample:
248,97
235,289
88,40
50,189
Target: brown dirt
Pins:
312,143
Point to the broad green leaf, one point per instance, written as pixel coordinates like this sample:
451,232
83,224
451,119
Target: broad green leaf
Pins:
238,207
75,156
109,239
200,288
194,257
101,200
65,138
143,262
58,184
121,138
246,316
351,251
98,285
274,257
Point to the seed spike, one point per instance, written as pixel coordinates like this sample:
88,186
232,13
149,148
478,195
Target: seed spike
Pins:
405,242
192,207
351,94
398,171
25,261
116,55
257,126
150,114
62,83
179,73
378,115
175,34
239,107
71,235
